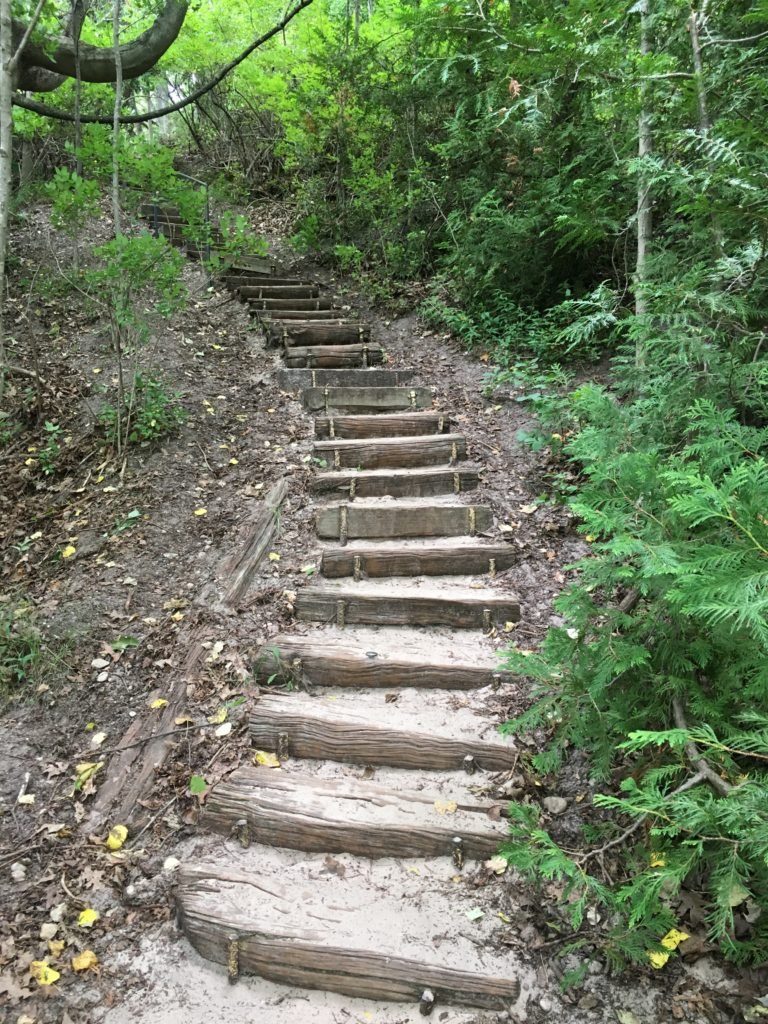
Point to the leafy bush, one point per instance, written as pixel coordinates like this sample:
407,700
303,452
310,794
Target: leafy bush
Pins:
150,413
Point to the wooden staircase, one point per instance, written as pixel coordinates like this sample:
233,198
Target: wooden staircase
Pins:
378,676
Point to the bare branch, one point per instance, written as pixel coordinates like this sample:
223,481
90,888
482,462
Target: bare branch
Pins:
28,32
693,754
734,42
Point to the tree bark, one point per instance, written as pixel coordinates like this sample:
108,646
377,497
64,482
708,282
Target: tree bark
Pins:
6,157
644,209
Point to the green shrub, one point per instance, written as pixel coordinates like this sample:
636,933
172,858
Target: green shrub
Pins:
150,413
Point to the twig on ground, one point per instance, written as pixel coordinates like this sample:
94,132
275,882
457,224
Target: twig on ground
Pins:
694,755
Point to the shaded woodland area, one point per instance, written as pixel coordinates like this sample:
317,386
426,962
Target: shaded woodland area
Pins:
578,195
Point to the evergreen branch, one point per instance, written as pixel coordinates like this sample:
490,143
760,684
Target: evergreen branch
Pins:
694,755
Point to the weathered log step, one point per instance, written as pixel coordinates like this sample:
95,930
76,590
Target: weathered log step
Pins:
338,936
292,305
334,356
433,559
261,266
422,482
368,729
297,380
368,658
362,399
347,815
382,425
384,604
279,291
279,315
237,281
401,519
393,452
302,332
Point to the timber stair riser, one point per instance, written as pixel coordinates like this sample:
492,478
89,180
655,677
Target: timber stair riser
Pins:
292,305
406,483
302,334
314,605
384,425
294,380
300,661
358,522
392,452
440,561
279,291
334,356
363,400
236,282
325,731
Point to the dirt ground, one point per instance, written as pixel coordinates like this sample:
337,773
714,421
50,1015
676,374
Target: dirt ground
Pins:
117,617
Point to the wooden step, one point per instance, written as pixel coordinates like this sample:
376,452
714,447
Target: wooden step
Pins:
334,356
359,941
365,399
393,452
292,305
279,315
418,560
376,659
301,333
386,604
256,266
298,379
382,425
368,729
279,291
347,815
237,281
422,482
359,521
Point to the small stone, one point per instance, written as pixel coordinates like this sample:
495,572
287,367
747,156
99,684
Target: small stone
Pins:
555,804
18,871
588,1002
595,967
48,930
58,912
171,863
545,1003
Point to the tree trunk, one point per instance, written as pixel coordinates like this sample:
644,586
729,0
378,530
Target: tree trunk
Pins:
644,208
6,157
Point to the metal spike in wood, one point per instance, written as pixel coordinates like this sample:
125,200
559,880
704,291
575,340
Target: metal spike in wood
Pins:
233,958
336,459
492,567
314,385
487,622
470,764
357,571
427,1002
495,681
440,424
343,525
365,357
454,454
352,484
340,613
456,483
412,397
331,428
457,852
242,832
472,521
283,747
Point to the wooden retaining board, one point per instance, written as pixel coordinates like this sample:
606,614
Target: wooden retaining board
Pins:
300,333
237,281
323,659
298,379
253,927
297,305
364,399
422,482
459,609
424,560
334,356
368,730
405,424
348,815
392,452
397,520
280,315
252,265
279,291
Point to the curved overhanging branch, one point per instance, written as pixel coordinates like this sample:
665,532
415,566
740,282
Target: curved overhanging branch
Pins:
97,63
152,115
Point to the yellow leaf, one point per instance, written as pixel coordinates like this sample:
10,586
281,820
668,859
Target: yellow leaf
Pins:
657,860
218,716
90,726
85,961
509,626
68,551
161,702
671,940
658,959
88,918
503,916
589,538
42,973
234,462
117,836
30,462
497,864
201,511
265,759
177,616
96,369
85,771
446,806
184,720
56,947
273,556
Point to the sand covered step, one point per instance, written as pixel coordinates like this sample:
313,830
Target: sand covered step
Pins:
279,291
334,356
298,333
361,520
298,379
365,399
379,658
379,603
422,482
392,452
404,424
323,315
297,305
373,729
418,559
348,815
339,935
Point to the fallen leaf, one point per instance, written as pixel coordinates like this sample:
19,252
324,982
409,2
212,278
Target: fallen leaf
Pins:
528,510
671,941
98,738
85,772
26,798
161,702
201,511
48,930
500,914
474,914
223,730
497,864
117,836
627,1017
197,785
234,462
265,759
56,947
43,973
273,556
88,918
184,720
446,806
85,961
218,716
68,552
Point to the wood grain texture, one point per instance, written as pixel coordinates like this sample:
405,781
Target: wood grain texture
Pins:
236,281
300,333
365,399
473,610
334,356
397,520
325,947
279,291
367,731
434,560
392,452
297,305
261,529
423,482
338,661
406,424
280,315
297,379
303,812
